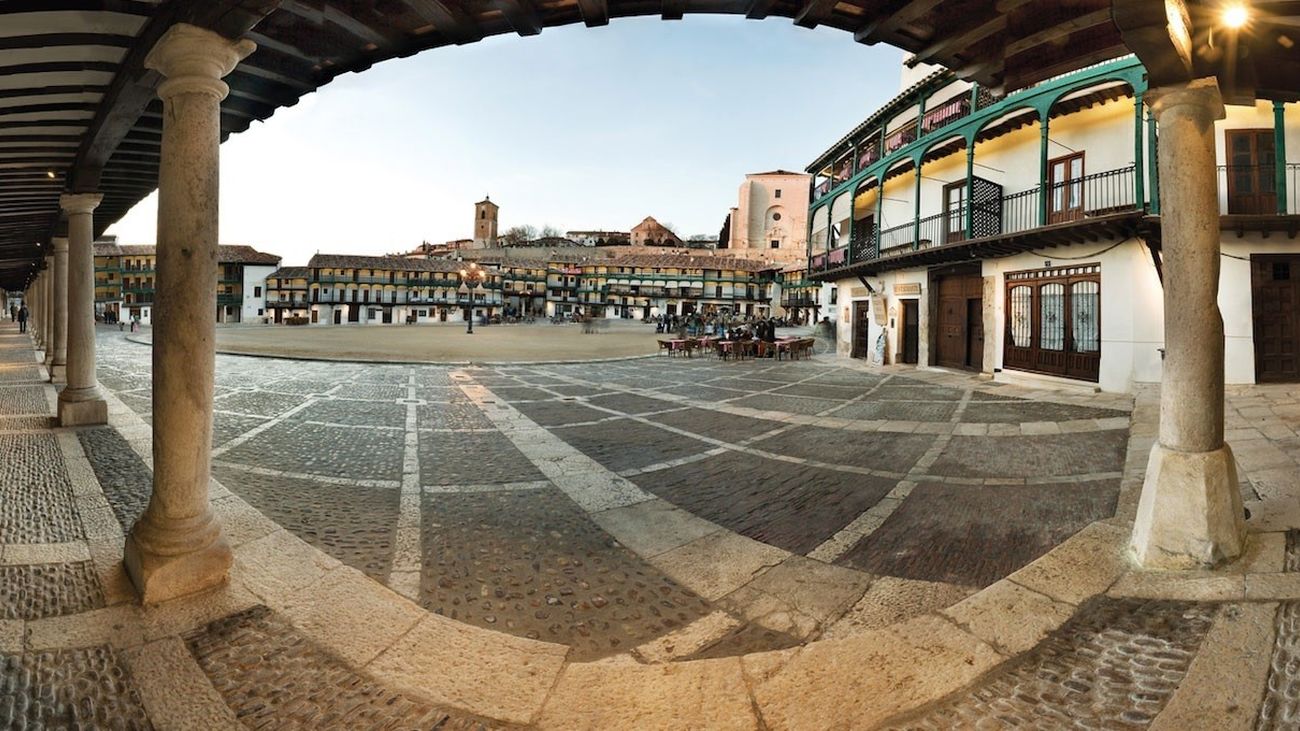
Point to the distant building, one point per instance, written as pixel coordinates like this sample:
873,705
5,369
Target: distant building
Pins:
241,280
600,238
771,218
652,233
108,278
486,215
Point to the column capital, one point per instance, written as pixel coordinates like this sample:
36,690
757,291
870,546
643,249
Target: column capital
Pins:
1202,94
59,243
194,60
79,203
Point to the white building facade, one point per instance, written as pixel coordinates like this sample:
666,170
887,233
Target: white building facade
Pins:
770,220
1021,237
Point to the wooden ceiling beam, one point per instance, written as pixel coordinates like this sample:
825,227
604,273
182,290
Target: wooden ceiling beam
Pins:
672,9
897,15
134,87
594,12
759,9
974,33
813,13
451,22
1058,31
523,15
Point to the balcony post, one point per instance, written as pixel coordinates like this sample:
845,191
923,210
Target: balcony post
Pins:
1153,167
880,213
916,209
1044,186
1190,513
1138,192
1279,151
970,190
176,547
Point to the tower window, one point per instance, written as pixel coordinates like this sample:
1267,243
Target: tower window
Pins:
778,192
482,214
775,244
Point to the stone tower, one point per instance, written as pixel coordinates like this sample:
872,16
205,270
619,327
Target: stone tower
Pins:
485,224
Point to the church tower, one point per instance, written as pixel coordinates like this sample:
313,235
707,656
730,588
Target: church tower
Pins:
485,224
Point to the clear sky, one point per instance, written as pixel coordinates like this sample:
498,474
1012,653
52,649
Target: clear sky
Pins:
579,128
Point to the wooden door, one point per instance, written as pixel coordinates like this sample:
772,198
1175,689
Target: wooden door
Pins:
1065,189
1274,305
951,350
911,331
975,333
861,330
1252,187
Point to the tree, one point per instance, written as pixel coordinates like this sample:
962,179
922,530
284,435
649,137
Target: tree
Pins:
517,235
551,232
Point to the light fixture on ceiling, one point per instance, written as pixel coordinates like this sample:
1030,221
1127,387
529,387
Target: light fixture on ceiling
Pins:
49,174
1235,16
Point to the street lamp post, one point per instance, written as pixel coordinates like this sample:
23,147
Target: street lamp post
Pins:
473,274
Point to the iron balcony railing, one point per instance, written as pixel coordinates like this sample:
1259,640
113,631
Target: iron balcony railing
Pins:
946,113
1090,196
799,302
1253,189
868,155
900,138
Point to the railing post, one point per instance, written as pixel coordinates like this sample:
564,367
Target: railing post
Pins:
916,210
1138,192
1279,151
1043,184
970,190
880,213
1153,171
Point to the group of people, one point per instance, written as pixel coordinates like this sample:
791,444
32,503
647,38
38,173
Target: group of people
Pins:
722,327
20,315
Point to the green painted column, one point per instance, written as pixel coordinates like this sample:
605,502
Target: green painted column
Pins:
1139,191
916,210
1279,151
970,191
1153,170
1045,127
880,213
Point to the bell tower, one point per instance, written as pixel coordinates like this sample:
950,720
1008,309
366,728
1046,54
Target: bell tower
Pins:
485,224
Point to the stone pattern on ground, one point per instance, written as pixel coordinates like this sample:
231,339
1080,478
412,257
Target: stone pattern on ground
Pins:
48,590
36,503
531,564
273,677
87,688
792,454
1114,665
353,524
126,480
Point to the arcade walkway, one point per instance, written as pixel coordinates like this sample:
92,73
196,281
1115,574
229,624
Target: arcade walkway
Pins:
876,591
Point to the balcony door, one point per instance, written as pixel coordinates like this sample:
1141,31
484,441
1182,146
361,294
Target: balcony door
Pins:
954,207
1251,160
1065,183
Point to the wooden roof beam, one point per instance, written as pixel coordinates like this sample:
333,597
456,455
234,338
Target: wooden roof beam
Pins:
1059,31
672,9
759,9
1164,49
134,87
813,13
451,22
594,12
899,14
973,34
523,15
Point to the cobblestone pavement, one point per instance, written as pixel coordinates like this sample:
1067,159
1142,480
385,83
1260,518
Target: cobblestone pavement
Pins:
652,520
882,477
1115,665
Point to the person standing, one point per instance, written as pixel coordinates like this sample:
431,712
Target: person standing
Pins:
22,318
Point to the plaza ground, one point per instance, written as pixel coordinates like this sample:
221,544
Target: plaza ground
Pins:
443,343
652,543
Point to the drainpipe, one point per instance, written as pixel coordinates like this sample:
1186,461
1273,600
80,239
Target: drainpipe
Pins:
1279,151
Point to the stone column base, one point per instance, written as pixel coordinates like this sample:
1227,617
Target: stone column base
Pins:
59,373
1190,514
161,578
83,413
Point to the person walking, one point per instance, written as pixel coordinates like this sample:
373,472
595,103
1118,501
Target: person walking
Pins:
13,313
22,318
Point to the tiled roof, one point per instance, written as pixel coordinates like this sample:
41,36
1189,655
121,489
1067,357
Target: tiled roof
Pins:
686,261
290,273
226,254
383,263
239,254
107,248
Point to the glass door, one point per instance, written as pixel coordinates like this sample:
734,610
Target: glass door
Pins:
1065,183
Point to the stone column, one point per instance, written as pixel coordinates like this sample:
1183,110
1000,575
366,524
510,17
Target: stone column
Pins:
1190,512
59,361
176,548
34,309
47,312
81,403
